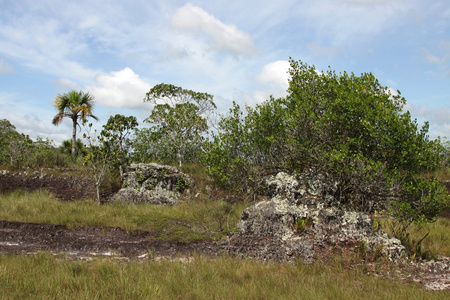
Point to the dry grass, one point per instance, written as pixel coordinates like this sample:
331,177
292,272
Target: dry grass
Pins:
190,220
43,276
436,244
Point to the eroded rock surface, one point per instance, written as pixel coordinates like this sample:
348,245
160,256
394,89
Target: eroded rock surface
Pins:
152,183
61,182
303,219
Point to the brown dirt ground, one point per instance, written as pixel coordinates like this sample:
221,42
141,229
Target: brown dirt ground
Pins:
82,242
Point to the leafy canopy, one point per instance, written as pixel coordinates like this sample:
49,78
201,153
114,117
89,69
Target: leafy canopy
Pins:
180,117
116,137
14,146
74,105
348,127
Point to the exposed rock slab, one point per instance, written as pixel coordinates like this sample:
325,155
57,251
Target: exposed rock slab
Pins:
152,183
65,184
303,218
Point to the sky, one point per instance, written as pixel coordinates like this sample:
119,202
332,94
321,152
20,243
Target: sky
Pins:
235,50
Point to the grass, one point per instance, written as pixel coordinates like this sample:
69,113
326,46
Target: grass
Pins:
443,174
187,221
44,276
436,244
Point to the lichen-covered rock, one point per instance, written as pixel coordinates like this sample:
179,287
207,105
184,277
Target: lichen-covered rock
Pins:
152,183
300,219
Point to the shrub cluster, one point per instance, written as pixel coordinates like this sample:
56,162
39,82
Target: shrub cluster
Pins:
348,127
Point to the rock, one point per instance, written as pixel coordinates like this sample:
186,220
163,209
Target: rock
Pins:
64,184
301,218
152,183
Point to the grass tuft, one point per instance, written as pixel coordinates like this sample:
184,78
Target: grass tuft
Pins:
436,244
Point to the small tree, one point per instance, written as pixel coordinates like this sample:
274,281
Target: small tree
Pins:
179,115
115,136
66,148
98,157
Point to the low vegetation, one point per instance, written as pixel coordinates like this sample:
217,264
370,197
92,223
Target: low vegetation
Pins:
429,241
349,127
190,220
21,277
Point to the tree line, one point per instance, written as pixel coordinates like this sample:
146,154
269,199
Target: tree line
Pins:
348,128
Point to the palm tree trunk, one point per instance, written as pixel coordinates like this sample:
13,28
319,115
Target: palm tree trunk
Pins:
74,136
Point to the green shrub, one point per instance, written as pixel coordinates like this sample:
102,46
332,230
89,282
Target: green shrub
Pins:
349,127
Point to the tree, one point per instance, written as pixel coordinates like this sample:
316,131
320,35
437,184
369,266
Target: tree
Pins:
66,147
15,147
107,149
115,136
180,116
98,157
76,106
348,127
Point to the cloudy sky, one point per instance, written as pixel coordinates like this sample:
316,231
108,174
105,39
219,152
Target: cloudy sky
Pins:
236,50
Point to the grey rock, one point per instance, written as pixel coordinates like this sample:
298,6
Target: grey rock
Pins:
302,217
152,183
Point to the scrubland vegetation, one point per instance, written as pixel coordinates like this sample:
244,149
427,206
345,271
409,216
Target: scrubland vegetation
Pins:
225,277
348,127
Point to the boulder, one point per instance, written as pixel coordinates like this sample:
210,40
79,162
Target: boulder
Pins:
152,183
302,219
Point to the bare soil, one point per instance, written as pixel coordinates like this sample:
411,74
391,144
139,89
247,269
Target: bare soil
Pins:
82,242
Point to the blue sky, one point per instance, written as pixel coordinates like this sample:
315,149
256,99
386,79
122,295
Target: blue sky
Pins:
236,50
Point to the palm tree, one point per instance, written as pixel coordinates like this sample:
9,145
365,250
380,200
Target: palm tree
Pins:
74,105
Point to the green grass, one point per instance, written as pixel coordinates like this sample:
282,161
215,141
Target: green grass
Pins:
436,244
187,221
44,276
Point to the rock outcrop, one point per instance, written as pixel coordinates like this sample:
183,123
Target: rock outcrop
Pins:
303,220
152,183
65,184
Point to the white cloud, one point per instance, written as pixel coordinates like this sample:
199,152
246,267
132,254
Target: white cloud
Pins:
433,59
5,67
317,49
438,118
366,1
275,77
27,41
439,56
32,125
343,21
121,89
67,84
222,37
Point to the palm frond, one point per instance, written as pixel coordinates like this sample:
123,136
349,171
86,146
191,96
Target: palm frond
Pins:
74,105
57,119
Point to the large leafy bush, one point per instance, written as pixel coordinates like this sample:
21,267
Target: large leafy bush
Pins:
348,127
